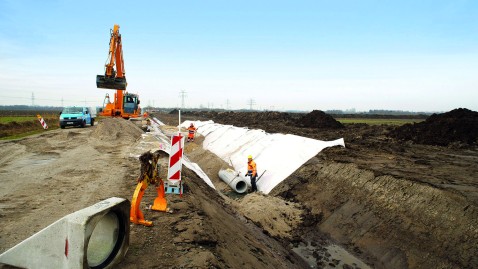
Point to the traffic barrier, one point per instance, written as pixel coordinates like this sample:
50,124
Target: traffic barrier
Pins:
43,123
174,185
94,237
175,159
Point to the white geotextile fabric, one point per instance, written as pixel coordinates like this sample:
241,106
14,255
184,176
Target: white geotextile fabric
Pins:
277,154
166,147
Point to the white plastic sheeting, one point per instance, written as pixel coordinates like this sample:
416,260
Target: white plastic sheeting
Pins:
166,147
279,154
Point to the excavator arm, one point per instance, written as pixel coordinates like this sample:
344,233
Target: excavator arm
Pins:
124,104
113,79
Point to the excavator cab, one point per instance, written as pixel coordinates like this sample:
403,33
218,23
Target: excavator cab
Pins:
130,102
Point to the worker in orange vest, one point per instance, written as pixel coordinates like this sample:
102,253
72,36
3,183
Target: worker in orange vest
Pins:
252,172
191,132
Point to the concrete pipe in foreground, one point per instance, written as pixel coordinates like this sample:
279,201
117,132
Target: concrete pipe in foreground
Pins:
234,180
93,237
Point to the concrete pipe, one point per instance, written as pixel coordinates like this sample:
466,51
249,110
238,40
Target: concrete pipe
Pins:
234,180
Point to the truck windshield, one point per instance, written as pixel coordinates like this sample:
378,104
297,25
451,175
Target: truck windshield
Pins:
72,110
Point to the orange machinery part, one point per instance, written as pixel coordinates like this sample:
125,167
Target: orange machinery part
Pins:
160,203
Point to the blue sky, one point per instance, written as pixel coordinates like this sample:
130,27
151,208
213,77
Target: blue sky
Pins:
399,55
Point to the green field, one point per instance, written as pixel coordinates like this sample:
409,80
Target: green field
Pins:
8,119
18,124
377,121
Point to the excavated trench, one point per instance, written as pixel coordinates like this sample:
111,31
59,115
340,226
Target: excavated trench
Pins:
348,212
391,203
389,222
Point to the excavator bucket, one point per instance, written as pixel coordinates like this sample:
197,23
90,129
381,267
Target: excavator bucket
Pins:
110,82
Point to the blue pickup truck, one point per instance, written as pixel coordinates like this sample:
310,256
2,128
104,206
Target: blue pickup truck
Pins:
77,116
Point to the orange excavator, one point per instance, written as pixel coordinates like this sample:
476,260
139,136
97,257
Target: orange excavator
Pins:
124,104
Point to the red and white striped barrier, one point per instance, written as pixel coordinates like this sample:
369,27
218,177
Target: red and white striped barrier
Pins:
175,159
43,123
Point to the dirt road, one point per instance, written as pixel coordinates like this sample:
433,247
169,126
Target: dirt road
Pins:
48,176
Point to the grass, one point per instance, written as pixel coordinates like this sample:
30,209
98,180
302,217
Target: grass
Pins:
396,122
15,127
8,119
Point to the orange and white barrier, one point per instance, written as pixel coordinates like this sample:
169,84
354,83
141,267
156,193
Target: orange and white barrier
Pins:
43,123
175,162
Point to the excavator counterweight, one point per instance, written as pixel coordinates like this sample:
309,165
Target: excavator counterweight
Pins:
110,82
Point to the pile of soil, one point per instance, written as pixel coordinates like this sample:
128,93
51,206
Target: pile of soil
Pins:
270,121
253,118
174,112
119,129
277,217
319,119
456,126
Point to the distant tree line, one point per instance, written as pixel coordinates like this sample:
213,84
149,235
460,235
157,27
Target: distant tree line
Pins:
36,108
378,112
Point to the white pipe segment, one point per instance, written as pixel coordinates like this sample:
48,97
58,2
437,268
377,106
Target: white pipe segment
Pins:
279,154
234,180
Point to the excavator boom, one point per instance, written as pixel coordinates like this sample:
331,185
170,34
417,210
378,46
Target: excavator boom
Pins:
113,79
125,105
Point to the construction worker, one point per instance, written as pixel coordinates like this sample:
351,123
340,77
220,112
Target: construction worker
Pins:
191,132
252,172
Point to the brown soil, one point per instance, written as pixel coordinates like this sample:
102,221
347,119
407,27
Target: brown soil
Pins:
319,119
459,126
394,204
314,119
75,168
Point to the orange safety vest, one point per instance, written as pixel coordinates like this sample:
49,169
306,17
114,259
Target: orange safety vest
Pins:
191,130
251,168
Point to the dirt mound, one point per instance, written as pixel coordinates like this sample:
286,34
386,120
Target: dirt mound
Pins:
253,118
319,119
456,126
276,216
117,129
270,121
259,120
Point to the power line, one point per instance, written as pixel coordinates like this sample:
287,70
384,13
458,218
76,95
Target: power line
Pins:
251,103
182,94
33,98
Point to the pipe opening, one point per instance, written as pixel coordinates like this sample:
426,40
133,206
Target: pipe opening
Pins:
105,241
241,186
